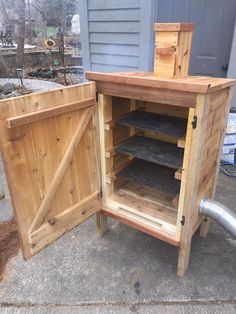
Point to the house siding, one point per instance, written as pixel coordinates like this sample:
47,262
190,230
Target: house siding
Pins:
114,34
232,66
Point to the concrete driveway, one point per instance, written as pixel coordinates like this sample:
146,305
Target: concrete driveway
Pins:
125,271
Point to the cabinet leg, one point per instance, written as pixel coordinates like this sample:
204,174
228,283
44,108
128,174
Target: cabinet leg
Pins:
183,260
101,224
204,227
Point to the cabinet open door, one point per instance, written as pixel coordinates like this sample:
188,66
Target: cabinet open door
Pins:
49,144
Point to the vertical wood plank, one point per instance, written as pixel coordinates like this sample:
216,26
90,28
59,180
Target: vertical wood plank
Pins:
205,225
102,225
183,54
106,142
185,170
192,180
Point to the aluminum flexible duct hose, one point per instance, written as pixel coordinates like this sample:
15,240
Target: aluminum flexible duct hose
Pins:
219,213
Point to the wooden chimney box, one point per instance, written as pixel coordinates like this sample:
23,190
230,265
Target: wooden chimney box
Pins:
173,42
145,154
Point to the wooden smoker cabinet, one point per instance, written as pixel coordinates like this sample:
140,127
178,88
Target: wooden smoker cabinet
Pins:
158,157
160,142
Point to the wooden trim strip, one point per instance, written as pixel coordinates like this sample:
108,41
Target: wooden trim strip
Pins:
181,142
195,84
185,168
141,227
149,81
61,169
109,125
175,27
48,113
191,180
178,174
111,152
163,96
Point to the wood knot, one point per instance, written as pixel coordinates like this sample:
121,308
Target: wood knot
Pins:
52,221
186,52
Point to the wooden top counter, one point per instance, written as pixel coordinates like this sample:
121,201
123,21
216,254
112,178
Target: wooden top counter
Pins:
194,84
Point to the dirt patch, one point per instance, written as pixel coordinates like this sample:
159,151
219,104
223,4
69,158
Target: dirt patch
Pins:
9,243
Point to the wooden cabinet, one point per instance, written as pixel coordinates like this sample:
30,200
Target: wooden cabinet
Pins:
145,154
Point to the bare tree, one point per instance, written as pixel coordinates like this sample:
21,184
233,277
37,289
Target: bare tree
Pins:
4,13
30,28
39,6
64,11
20,35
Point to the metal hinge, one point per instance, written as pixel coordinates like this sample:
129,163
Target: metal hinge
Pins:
182,220
194,122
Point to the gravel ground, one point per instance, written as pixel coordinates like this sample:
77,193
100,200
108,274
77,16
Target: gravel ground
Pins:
35,85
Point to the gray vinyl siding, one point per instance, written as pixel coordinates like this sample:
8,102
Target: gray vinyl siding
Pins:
113,34
114,38
131,27
111,68
113,4
108,15
113,49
